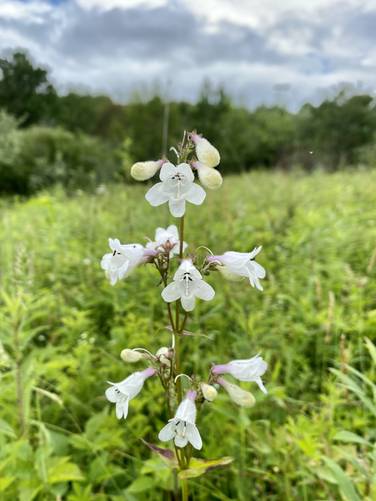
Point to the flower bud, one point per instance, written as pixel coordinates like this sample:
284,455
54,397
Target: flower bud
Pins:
164,355
237,394
209,392
206,153
131,356
141,171
209,177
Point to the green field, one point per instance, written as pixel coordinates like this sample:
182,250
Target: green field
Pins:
62,327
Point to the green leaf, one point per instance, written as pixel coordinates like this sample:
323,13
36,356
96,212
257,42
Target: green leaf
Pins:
345,485
62,470
198,467
6,429
141,484
5,483
350,437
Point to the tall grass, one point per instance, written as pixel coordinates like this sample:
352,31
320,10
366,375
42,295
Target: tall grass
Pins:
62,328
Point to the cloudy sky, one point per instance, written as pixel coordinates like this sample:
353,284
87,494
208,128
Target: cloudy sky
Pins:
261,51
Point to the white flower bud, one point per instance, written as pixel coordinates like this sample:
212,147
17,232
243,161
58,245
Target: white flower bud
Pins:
164,355
209,392
131,356
210,178
237,394
141,171
206,153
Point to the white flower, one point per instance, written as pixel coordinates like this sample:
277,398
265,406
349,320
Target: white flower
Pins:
176,188
209,177
167,239
208,391
132,356
250,369
121,393
237,394
186,286
206,153
141,171
122,260
241,264
182,427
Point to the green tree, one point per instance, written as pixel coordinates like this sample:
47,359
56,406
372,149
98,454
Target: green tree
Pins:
25,91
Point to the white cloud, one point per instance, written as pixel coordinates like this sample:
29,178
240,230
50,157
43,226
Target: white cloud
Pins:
260,51
104,5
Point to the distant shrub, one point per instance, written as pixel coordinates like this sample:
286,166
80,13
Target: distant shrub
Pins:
38,157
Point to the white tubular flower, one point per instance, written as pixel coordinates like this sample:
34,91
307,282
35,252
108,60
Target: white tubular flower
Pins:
209,177
182,428
132,356
241,264
249,370
167,240
206,153
208,391
121,393
141,171
237,394
177,186
122,260
186,286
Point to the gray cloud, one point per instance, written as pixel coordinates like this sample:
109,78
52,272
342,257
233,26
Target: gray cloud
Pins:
292,58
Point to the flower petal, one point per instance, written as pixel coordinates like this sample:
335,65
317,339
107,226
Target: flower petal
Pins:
171,293
122,409
186,170
188,302
168,169
205,291
112,394
167,432
260,384
193,436
181,441
196,195
177,206
156,196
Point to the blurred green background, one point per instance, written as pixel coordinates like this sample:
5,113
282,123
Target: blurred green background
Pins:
309,199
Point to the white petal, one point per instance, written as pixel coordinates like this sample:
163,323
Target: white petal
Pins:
255,251
181,441
186,170
167,432
114,243
193,436
205,291
106,261
171,293
122,409
168,169
173,230
177,207
111,394
196,195
258,269
188,302
156,196
260,384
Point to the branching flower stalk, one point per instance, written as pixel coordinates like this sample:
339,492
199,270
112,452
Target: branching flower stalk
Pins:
183,284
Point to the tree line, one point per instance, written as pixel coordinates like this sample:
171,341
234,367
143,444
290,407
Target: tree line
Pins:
338,132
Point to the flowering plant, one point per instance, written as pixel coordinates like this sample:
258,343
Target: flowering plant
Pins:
183,284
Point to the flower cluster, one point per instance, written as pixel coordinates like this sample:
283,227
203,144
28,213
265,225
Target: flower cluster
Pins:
182,284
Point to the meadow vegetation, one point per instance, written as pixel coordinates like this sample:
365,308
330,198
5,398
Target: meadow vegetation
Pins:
63,327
